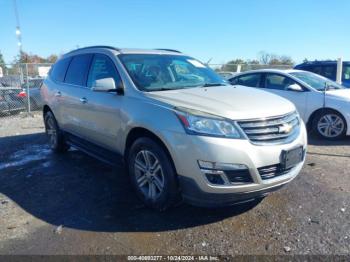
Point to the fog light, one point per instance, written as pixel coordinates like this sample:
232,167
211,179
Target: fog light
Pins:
224,173
215,179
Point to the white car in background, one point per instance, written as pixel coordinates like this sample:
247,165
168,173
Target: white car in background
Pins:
323,104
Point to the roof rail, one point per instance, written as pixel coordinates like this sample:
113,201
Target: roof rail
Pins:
170,50
95,46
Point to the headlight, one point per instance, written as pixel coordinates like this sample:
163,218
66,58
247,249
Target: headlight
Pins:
199,123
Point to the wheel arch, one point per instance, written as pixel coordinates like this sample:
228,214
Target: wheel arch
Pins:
316,112
138,132
46,109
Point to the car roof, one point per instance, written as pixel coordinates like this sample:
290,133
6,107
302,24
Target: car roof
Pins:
325,62
117,51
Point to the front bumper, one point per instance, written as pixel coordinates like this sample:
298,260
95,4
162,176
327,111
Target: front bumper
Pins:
195,196
186,150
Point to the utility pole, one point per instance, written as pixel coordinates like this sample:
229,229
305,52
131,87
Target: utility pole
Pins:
19,43
18,28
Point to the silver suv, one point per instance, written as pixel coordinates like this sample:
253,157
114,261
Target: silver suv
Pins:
180,129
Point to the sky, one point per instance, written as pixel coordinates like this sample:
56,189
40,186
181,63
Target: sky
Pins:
220,30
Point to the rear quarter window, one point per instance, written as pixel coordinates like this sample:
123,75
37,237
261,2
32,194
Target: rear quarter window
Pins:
59,69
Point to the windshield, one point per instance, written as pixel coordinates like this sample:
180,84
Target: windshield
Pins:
156,72
316,81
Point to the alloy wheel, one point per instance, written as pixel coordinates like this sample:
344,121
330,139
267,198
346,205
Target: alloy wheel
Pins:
51,131
149,174
331,125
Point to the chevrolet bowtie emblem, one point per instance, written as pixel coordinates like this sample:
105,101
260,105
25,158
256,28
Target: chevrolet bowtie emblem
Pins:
285,128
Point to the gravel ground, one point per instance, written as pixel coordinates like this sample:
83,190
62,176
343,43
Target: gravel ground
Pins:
74,204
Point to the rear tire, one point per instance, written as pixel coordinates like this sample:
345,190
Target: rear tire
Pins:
152,174
329,124
56,139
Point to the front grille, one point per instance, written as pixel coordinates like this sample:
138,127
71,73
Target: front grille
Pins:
268,172
276,130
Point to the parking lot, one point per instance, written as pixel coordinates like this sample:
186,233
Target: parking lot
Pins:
74,204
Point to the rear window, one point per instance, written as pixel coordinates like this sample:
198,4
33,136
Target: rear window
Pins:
78,70
59,69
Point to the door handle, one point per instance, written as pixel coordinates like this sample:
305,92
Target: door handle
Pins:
83,100
58,94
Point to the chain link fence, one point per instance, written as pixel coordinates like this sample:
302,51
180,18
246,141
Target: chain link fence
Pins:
20,84
20,88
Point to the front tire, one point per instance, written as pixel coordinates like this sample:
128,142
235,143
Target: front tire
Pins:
330,125
56,139
152,174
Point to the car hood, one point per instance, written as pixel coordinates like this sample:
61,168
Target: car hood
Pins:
233,102
343,94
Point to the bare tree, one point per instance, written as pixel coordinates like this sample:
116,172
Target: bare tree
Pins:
264,57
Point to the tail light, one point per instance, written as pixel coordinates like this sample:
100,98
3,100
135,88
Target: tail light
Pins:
22,94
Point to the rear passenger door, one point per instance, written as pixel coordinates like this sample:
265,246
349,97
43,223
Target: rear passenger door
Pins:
71,93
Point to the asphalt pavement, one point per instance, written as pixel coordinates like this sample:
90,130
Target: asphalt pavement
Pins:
74,204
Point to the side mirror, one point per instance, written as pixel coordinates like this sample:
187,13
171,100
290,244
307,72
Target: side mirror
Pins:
295,88
106,85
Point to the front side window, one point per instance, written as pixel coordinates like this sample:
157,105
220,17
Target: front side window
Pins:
251,80
278,82
316,81
78,70
102,67
156,72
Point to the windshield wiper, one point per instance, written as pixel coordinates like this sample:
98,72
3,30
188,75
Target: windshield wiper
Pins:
212,84
161,89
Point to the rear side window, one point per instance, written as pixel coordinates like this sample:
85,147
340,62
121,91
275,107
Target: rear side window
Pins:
59,69
252,80
78,70
330,71
316,69
103,67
